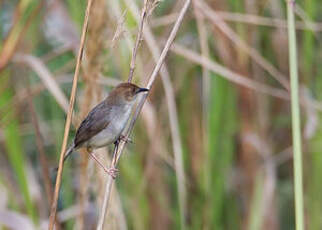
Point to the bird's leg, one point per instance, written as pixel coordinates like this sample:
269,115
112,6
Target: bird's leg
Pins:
116,147
114,158
111,171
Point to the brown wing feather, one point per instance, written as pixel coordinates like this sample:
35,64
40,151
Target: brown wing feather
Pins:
97,120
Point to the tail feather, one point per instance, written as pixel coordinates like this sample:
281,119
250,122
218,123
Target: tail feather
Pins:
68,153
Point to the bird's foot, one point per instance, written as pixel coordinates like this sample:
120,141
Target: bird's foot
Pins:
125,139
112,172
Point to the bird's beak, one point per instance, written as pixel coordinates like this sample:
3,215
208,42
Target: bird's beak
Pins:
140,90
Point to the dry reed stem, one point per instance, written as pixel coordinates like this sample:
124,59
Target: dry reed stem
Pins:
173,117
245,18
138,109
228,74
148,113
192,56
52,216
91,67
252,52
138,39
163,20
305,18
240,79
132,68
267,21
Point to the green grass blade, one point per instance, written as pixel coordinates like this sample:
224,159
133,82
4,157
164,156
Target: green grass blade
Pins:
296,126
13,146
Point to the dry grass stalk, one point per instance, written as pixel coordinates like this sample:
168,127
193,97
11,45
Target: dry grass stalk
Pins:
92,67
228,74
240,79
138,110
172,112
222,25
267,21
303,15
69,118
144,14
156,149
245,18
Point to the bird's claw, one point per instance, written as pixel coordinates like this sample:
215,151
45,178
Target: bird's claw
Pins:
125,139
113,172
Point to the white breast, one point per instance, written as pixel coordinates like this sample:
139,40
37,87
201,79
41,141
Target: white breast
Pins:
110,134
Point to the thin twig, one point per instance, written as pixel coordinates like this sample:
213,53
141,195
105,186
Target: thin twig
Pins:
69,117
139,108
138,39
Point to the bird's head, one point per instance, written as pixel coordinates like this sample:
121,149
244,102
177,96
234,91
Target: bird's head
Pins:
126,92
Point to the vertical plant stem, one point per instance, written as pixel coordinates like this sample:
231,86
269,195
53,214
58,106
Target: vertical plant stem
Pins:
173,115
296,127
69,118
152,78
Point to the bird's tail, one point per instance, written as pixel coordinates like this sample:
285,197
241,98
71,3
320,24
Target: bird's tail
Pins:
68,153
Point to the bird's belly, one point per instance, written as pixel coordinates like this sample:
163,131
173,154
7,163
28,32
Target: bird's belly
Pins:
103,138
110,134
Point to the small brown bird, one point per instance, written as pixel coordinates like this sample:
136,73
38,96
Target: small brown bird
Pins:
105,123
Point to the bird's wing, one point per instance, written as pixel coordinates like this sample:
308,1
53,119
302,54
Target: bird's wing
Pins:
96,121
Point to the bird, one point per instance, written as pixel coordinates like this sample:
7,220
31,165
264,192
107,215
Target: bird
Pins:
105,123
